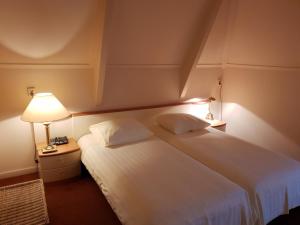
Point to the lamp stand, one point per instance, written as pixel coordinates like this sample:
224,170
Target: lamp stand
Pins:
209,115
49,148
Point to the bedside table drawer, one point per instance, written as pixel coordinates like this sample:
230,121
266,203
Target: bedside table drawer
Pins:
61,173
59,161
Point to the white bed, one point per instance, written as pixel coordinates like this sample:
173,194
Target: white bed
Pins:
272,180
152,183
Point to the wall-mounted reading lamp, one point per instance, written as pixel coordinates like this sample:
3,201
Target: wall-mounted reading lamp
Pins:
209,115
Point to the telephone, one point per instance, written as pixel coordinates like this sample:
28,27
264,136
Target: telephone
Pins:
59,140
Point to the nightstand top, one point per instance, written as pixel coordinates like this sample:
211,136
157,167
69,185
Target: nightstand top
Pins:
217,123
72,146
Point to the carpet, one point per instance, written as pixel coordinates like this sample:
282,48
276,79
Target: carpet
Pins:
23,204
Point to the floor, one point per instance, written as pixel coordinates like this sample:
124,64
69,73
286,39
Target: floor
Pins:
79,201
74,201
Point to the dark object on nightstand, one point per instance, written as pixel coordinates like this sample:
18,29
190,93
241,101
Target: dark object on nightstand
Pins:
59,141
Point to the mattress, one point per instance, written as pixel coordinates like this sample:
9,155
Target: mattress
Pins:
272,180
152,183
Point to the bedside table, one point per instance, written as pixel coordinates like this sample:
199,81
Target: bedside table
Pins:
218,124
59,165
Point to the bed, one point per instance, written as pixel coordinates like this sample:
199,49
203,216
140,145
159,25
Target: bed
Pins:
152,183
272,180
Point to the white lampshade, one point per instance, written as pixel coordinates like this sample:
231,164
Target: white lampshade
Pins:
44,107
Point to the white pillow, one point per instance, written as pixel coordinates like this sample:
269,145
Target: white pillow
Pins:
118,132
179,123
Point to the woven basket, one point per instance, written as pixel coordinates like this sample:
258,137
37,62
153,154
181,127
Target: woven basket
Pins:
23,204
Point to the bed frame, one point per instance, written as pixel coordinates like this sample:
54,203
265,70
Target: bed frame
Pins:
81,121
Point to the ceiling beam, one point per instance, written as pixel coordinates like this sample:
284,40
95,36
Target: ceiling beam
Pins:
101,51
196,50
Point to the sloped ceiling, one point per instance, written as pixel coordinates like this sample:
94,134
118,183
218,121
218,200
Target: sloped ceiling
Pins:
153,32
54,32
266,33
52,45
58,46
213,52
156,37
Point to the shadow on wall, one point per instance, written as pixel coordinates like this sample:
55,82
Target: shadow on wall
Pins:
72,87
39,29
4,115
261,107
269,94
32,31
250,127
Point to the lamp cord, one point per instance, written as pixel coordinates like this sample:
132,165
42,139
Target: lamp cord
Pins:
31,94
221,98
34,142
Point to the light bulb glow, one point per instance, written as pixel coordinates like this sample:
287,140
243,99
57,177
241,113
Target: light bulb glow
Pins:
44,107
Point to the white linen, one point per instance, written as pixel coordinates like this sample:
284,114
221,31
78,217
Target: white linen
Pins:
272,180
179,123
152,183
120,131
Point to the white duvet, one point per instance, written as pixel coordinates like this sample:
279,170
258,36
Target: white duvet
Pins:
152,183
272,180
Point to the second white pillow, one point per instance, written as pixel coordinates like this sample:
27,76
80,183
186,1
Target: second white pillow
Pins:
179,123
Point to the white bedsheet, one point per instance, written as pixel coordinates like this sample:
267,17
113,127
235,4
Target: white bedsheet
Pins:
152,183
272,180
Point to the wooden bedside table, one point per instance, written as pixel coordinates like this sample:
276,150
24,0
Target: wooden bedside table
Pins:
59,165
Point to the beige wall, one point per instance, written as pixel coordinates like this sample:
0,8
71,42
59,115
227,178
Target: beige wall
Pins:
49,45
69,85
261,82
265,33
153,32
54,46
261,107
48,32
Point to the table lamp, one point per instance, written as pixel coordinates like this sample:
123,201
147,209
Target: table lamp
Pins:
45,108
209,115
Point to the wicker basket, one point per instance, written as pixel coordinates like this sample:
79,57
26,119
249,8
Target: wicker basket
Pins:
23,203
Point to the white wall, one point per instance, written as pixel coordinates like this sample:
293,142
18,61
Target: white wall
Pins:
265,33
261,81
148,43
71,86
54,46
16,143
49,45
261,107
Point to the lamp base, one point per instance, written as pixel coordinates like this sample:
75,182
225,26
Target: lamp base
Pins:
209,116
49,149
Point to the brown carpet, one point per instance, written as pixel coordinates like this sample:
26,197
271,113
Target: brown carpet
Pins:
80,201
73,201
